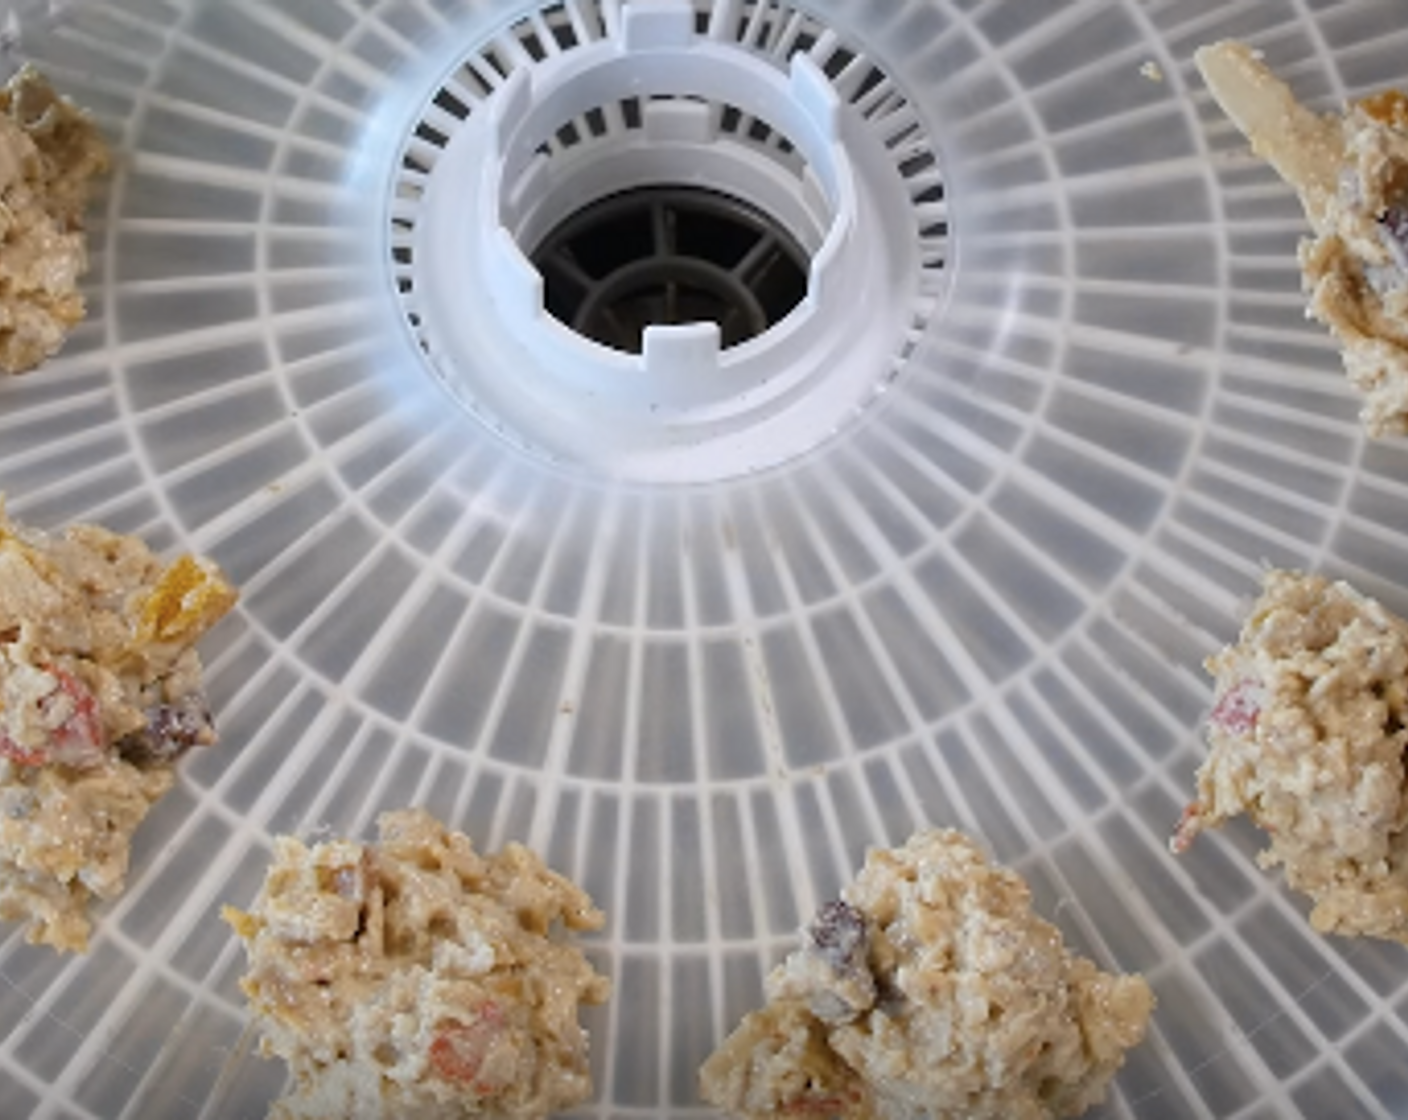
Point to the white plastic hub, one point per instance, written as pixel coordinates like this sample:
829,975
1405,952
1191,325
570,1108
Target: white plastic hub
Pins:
684,409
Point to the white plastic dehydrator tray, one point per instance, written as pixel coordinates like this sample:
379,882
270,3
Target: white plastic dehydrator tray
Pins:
701,626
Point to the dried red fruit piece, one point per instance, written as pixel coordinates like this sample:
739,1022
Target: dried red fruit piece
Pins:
1238,709
75,741
460,1049
19,755
78,741
1187,829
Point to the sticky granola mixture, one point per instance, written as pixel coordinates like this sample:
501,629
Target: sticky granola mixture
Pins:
1351,171
50,153
100,694
1306,736
416,978
930,991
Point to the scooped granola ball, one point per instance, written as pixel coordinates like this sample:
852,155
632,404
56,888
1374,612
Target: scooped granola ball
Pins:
417,979
931,991
1307,737
101,692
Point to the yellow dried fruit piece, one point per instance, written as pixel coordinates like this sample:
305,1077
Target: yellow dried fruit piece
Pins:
245,925
1388,107
188,598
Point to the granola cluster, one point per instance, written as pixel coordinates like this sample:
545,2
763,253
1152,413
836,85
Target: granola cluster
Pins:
50,153
1307,737
930,991
416,978
100,694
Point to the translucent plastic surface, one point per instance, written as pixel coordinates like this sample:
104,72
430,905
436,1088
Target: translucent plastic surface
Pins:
984,602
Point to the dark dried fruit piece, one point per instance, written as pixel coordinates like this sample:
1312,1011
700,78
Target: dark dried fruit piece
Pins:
172,729
462,1052
839,936
1393,230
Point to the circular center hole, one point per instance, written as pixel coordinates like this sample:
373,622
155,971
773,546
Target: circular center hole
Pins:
670,255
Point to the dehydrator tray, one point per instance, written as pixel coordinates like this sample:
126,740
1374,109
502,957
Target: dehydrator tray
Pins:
702,627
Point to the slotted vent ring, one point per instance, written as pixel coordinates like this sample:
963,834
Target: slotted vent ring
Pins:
677,363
